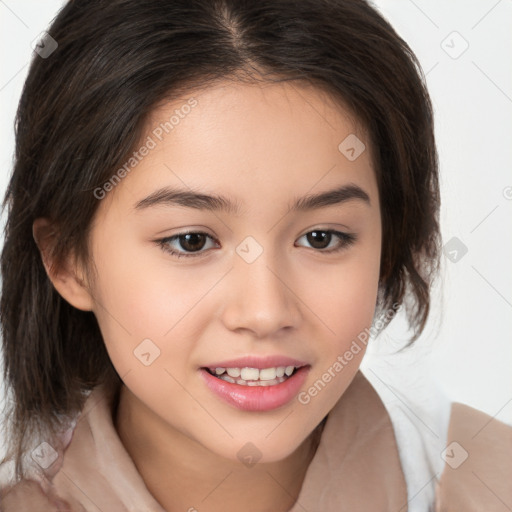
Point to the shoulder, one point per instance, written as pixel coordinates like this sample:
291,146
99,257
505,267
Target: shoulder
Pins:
91,469
419,412
478,455
33,493
40,462
454,457
28,496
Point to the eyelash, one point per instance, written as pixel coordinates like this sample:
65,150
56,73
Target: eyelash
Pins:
346,240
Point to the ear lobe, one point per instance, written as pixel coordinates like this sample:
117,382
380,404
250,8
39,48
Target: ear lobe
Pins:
66,278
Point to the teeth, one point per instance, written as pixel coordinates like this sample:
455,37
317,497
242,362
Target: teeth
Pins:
261,383
268,373
250,374
234,372
254,376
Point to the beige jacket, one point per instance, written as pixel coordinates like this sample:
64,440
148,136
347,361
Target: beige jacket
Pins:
93,471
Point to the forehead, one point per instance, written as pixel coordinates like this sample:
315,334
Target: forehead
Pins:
275,141
265,109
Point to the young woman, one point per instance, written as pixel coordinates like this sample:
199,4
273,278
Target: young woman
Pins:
212,204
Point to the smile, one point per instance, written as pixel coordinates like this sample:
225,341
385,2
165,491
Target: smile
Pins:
254,376
253,389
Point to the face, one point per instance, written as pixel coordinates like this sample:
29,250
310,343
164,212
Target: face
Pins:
187,286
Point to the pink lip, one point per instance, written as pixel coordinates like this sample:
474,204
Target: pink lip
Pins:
256,398
256,362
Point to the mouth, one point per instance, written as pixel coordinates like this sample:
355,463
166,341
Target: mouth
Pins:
247,376
256,389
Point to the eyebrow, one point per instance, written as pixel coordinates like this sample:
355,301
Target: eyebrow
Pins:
200,201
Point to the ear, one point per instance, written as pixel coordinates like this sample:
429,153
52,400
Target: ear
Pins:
68,279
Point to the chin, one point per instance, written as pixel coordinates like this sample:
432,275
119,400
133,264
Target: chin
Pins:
251,450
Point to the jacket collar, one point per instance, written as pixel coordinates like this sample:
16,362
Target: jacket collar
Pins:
356,465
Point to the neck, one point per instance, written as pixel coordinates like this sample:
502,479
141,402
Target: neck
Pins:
183,475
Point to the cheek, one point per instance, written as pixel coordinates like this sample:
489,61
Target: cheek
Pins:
345,294
346,306
144,308
355,306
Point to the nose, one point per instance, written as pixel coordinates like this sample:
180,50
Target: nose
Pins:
259,297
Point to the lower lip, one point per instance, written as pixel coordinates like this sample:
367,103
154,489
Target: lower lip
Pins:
257,398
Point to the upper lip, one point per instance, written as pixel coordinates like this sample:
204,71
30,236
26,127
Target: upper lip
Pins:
257,362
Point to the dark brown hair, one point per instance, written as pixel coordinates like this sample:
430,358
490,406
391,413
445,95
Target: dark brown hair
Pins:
83,110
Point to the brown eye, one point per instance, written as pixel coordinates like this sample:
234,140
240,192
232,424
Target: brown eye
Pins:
185,244
192,241
321,239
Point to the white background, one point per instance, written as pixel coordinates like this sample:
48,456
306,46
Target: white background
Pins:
467,347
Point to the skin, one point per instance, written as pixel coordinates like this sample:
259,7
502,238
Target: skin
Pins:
263,146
